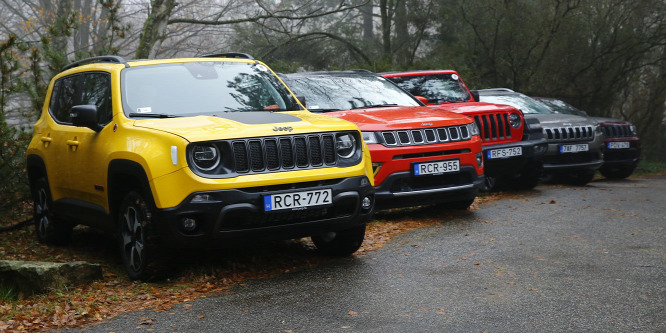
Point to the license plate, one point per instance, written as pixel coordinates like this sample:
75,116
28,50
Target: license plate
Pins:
298,200
505,152
618,145
435,168
574,148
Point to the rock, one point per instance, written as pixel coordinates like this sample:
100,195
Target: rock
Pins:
30,277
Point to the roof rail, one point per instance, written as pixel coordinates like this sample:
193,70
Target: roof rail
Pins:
107,58
229,55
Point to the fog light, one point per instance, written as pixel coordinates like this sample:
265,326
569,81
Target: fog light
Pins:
479,159
540,149
365,181
366,203
188,224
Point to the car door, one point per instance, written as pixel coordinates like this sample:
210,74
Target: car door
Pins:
86,157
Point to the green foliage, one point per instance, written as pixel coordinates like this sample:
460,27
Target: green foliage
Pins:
650,167
8,294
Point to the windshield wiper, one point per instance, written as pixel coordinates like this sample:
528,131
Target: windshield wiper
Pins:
152,115
323,110
375,106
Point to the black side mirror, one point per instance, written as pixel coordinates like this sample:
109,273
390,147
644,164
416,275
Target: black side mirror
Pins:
475,95
85,116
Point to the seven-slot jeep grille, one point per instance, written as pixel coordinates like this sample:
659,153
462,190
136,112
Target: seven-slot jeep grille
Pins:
284,152
617,131
425,136
493,126
569,133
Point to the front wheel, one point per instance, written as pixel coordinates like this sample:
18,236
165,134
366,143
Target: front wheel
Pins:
340,243
137,240
49,228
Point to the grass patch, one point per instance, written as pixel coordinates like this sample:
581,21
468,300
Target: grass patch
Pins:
649,167
8,294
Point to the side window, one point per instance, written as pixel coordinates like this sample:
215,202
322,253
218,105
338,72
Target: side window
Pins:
63,98
96,90
81,89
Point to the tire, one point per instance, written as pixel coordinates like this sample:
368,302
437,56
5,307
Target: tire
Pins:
617,173
489,184
48,227
137,238
340,243
580,178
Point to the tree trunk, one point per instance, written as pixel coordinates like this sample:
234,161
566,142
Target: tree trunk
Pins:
386,12
401,45
154,29
368,23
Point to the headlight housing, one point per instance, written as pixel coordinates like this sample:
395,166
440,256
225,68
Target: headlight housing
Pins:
370,137
514,120
473,129
206,156
633,129
345,145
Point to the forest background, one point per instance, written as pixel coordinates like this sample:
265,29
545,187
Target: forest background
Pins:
607,57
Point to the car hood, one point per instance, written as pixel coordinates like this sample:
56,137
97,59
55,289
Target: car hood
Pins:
395,118
610,121
245,124
472,108
559,119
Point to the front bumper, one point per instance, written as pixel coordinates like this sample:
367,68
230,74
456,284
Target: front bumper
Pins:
228,217
403,189
532,150
554,161
625,157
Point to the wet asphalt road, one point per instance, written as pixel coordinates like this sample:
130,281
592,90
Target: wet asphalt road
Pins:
556,259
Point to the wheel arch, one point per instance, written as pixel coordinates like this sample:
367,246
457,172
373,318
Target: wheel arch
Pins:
125,176
36,169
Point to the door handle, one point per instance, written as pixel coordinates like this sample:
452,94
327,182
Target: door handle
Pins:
46,139
72,142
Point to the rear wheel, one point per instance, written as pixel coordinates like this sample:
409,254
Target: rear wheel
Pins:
528,178
617,173
49,228
137,240
340,243
461,204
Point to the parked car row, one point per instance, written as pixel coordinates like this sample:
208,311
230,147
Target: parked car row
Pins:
213,151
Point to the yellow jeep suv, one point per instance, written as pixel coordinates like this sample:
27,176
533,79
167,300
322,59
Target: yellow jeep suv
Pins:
193,152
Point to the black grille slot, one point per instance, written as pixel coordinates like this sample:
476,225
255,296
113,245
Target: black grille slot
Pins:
272,155
453,133
617,131
256,155
301,152
389,138
287,153
315,151
430,135
404,138
329,149
240,156
443,134
418,136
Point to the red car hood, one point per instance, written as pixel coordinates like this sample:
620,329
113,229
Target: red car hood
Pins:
400,117
471,108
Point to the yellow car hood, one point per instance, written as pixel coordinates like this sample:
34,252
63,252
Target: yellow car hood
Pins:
245,124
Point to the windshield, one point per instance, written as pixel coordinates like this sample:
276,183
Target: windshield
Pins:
202,88
437,88
346,92
560,106
518,101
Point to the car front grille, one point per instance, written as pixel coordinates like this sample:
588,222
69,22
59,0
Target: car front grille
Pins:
617,131
493,126
569,133
425,136
284,152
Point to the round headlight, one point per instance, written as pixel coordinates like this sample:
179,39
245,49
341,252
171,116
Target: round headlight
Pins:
514,120
206,157
345,145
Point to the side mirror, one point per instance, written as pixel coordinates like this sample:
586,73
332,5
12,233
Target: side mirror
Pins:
85,116
475,95
422,99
